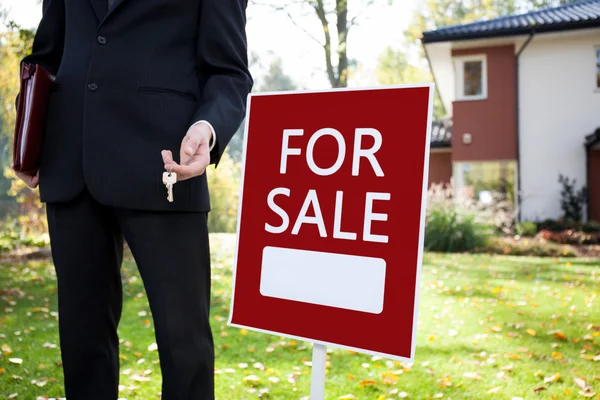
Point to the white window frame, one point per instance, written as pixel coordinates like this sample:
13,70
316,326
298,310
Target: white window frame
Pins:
459,72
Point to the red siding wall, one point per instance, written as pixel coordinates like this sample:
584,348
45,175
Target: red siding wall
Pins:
440,167
594,185
491,122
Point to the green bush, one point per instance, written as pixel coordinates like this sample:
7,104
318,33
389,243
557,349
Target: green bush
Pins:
451,228
526,228
557,225
527,247
565,225
591,227
572,201
224,186
13,236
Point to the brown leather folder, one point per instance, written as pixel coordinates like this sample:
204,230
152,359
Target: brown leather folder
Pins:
32,105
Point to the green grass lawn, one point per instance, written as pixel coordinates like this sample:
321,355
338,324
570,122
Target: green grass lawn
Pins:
489,328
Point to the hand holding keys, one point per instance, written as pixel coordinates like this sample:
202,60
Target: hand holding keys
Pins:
169,179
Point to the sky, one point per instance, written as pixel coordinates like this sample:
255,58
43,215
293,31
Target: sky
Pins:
273,34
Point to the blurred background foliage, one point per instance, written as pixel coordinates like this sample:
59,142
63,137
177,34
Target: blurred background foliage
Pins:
452,226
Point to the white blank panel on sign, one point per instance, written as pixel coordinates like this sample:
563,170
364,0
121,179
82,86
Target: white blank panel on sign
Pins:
328,279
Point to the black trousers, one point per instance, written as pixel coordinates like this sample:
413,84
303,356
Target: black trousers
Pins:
171,250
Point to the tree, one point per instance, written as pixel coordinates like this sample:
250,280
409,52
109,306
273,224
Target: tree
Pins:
435,14
14,45
393,68
275,80
224,185
332,16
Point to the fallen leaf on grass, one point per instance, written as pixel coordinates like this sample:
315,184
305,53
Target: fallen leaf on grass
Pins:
50,346
530,332
367,383
139,378
12,396
581,383
6,349
438,395
153,347
347,397
403,395
259,366
2,370
553,378
560,335
40,382
252,380
539,389
557,355
493,390
472,375
15,360
389,378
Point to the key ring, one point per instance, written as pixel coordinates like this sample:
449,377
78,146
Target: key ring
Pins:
170,169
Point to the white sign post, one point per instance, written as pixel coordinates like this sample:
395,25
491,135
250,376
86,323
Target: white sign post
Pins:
319,365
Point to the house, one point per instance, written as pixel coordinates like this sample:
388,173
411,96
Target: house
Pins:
523,95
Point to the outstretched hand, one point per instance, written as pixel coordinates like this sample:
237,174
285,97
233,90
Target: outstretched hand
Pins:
194,153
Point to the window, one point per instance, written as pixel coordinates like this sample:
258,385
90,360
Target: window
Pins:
471,77
598,68
481,180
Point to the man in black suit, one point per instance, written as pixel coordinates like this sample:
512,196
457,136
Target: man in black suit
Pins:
142,87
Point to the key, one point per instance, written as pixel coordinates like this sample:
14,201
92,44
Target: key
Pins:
169,179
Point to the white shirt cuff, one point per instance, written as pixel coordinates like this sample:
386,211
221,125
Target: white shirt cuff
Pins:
213,137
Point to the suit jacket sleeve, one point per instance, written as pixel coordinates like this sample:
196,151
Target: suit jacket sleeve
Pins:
223,67
49,38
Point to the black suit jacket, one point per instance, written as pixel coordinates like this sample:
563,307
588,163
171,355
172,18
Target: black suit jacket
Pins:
129,83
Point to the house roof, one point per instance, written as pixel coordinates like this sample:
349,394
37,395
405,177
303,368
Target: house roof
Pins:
577,15
593,139
441,133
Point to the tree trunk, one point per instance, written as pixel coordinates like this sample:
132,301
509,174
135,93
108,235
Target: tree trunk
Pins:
342,28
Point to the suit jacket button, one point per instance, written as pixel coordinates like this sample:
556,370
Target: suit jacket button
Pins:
92,87
101,40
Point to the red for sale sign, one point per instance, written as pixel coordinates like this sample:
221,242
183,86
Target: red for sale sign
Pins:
332,209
